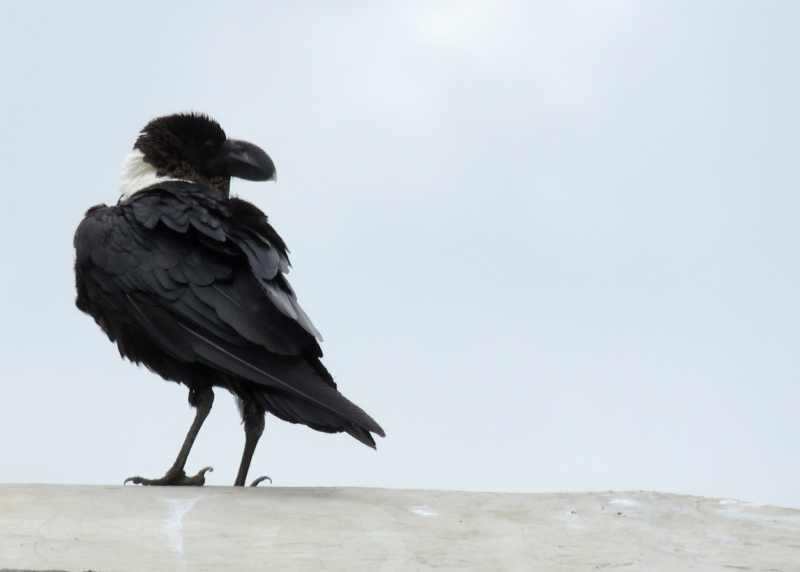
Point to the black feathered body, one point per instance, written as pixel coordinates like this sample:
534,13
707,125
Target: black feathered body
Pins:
192,284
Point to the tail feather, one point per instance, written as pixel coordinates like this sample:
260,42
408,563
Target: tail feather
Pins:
295,410
298,389
362,435
292,375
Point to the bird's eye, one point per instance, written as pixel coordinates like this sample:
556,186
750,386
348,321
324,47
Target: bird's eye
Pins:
208,143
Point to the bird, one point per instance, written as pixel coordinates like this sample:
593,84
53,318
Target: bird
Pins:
190,282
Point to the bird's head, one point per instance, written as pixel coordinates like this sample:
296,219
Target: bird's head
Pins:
192,147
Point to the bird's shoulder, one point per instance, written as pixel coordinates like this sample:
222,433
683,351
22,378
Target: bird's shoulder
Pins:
96,232
181,207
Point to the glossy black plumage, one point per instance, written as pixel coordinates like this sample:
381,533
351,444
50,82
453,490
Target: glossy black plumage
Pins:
191,284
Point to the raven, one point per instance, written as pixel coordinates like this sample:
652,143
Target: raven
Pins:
191,282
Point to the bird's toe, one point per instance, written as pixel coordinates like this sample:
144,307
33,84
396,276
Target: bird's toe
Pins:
173,478
259,480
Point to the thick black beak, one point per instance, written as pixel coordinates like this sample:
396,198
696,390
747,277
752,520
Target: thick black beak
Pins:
246,161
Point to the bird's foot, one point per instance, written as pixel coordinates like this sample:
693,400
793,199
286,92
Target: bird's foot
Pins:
173,478
259,480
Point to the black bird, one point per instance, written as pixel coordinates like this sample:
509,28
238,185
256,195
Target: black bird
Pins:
190,282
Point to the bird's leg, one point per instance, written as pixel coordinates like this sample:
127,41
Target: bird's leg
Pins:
201,399
253,417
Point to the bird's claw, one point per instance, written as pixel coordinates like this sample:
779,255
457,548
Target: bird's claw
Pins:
260,480
173,478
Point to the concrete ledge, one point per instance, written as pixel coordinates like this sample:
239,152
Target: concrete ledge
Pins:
108,529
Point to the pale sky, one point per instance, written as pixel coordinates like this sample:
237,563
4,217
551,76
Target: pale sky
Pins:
551,246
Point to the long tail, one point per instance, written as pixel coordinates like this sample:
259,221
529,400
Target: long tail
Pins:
296,388
296,410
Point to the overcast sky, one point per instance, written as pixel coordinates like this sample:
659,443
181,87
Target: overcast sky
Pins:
551,246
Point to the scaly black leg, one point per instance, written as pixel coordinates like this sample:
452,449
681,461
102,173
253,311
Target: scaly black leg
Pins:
201,399
253,417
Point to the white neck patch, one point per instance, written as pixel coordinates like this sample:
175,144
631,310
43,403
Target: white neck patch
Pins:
138,174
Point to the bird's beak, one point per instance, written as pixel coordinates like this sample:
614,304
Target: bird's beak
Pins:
246,161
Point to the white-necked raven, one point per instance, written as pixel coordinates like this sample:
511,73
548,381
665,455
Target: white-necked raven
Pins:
190,282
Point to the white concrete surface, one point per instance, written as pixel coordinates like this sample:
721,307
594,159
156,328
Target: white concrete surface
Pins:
108,529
